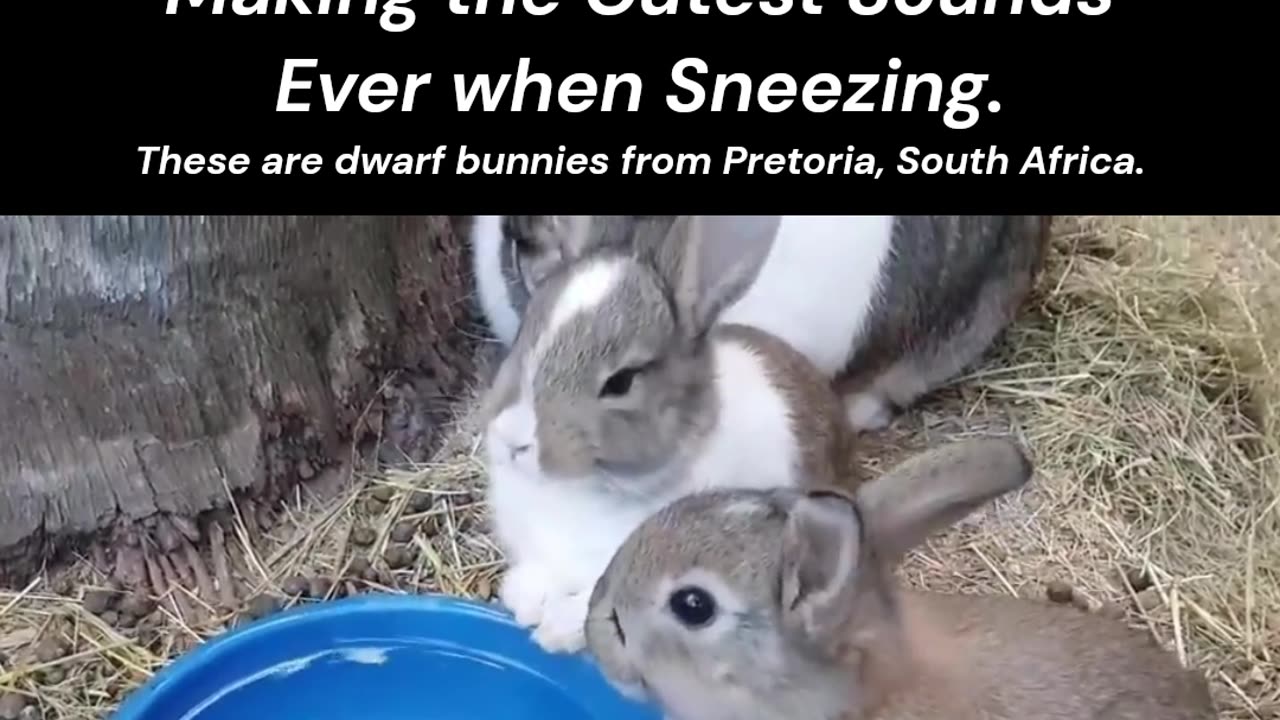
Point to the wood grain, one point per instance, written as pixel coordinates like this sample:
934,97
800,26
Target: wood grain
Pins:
145,361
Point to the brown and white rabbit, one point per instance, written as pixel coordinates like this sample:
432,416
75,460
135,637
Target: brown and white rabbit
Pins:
891,307
782,604
621,393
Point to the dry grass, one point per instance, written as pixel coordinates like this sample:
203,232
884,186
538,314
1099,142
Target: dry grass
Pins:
1142,377
316,539
1142,381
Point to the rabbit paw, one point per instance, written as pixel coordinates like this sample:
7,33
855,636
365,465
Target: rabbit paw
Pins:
524,592
868,412
563,623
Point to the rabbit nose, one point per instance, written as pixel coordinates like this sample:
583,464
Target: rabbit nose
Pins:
513,429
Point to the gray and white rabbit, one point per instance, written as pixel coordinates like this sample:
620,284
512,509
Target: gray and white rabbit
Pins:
889,307
622,391
781,604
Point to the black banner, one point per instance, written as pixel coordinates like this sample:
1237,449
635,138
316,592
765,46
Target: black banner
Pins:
634,106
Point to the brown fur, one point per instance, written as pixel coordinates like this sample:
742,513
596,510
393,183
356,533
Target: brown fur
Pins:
813,626
1002,658
921,335
659,321
828,445
951,286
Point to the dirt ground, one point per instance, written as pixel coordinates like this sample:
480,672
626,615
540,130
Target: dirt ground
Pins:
1141,376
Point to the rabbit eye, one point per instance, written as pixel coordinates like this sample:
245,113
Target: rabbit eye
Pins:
692,606
619,383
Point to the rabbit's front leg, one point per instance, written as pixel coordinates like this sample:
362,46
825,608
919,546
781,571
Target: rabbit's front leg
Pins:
524,591
564,618
868,412
556,613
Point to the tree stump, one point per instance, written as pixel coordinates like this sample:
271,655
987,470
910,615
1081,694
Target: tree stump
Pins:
151,366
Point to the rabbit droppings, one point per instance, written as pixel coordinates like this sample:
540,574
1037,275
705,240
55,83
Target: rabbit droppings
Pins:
759,604
890,306
619,396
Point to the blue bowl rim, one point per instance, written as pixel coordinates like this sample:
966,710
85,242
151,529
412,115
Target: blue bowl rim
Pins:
141,701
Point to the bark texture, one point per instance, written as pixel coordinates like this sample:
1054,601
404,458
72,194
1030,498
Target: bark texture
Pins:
149,365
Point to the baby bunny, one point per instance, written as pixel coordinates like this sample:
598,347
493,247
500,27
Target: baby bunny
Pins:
891,307
781,604
621,393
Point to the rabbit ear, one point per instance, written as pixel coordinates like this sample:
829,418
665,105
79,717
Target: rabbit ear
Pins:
720,259
935,489
576,235
556,239
553,242
820,549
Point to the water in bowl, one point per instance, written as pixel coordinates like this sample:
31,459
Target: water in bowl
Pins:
426,680
381,658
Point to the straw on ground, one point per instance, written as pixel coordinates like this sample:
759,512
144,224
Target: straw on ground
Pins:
1141,376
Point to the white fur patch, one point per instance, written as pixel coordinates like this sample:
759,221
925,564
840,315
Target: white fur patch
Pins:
515,427
747,508
517,424
571,526
487,246
867,411
583,293
559,536
578,228
752,444
816,287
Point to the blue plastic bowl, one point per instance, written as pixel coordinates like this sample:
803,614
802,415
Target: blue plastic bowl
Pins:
381,657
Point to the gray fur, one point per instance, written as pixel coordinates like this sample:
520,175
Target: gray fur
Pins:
515,259
725,253
542,244
951,285
656,320
671,399
816,639
696,532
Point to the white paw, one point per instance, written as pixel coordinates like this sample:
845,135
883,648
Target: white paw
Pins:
563,623
524,592
868,412
633,691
